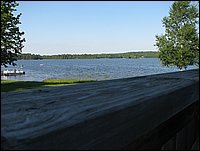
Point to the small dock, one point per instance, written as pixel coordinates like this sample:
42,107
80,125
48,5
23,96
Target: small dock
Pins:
12,72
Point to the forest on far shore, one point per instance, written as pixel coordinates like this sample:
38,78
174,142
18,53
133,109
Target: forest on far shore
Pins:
141,54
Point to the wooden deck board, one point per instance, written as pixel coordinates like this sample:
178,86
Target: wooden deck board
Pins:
103,114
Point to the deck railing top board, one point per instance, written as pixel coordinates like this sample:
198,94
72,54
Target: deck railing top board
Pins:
104,114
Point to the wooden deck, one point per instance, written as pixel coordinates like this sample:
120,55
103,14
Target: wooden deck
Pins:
150,112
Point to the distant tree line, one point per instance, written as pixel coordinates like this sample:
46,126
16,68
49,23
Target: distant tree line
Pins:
29,56
149,54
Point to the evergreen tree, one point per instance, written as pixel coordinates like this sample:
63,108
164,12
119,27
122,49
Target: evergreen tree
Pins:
11,40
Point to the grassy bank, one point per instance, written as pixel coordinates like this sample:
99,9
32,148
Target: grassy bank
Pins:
13,85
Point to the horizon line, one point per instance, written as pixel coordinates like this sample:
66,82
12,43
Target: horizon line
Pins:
93,53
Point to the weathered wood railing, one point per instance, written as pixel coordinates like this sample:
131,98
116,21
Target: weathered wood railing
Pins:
149,112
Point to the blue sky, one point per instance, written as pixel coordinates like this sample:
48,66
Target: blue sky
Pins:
78,27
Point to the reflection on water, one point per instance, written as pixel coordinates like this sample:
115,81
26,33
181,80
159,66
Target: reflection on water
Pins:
98,69
5,77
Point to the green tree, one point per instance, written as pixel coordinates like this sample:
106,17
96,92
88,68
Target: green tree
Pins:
11,37
179,45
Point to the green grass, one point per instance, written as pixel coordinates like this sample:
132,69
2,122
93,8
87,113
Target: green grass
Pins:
13,85
64,81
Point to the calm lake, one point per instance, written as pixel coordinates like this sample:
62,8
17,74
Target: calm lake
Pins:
98,69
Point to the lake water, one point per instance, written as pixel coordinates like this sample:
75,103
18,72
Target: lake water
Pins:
98,69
